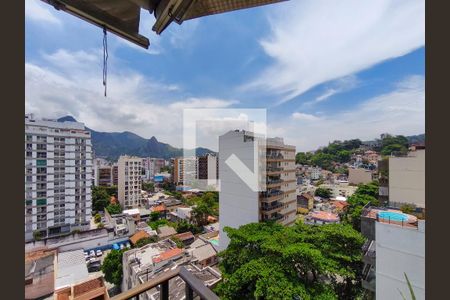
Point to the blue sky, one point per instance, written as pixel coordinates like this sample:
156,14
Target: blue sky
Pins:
324,70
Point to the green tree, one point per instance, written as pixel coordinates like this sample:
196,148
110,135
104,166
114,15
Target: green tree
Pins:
97,218
323,192
364,194
149,186
343,156
408,208
201,212
147,240
178,242
100,198
114,209
100,225
112,267
270,261
394,149
155,215
184,226
303,158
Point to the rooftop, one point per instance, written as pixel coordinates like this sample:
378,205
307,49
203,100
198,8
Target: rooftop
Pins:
324,216
390,216
70,268
168,255
138,236
185,236
166,231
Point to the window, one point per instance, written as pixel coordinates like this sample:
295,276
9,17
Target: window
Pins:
41,202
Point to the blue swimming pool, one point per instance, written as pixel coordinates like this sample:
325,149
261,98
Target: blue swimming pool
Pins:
393,216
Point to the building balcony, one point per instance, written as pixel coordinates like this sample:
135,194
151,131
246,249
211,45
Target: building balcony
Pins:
273,182
274,207
274,217
195,288
271,195
369,278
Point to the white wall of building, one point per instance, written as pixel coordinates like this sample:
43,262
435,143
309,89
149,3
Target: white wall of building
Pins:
399,250
407,179
238,204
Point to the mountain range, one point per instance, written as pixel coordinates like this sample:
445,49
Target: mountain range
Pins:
110,145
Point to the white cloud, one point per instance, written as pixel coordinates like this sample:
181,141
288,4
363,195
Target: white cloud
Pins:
70,83
401,111
304,117
316,41
38,11
202,103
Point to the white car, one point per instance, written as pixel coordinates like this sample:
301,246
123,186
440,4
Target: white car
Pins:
128,245
121,246
92,253
99,253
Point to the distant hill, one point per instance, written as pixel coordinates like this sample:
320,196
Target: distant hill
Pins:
416,139
412,139
111,145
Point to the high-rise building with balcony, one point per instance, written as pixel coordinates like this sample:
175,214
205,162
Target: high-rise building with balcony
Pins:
58,177
276,198
208,168
185,170
129,181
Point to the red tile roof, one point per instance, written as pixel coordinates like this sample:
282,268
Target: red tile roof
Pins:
168,255
138,235
185,236
159,208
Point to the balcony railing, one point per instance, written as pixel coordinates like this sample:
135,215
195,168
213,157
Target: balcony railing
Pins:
274,181
274,169
193,285
274,156
271,207
274,217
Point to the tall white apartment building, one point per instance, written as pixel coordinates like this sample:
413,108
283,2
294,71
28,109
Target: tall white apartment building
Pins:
129,181
58,177
240,204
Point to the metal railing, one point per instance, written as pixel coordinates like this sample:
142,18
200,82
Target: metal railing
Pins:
193,285
271,207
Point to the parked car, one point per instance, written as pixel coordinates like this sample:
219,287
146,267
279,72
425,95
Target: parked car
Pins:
92,253
128,245
94,266
121,246
99,252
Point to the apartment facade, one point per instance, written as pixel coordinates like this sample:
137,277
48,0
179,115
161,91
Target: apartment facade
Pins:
239,203
58,177
407,179
208,168
152,166
129,181
393,249
185,170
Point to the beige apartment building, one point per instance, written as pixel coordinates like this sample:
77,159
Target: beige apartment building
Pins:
407,179
129,181
275,200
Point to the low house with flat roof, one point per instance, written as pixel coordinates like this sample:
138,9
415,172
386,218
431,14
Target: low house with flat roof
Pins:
39,274
186,237
166,231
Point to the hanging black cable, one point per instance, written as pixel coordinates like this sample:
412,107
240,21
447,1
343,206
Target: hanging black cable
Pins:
105,58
